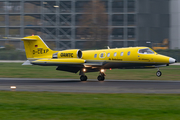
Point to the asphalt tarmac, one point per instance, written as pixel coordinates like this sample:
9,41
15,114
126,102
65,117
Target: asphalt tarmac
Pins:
90,86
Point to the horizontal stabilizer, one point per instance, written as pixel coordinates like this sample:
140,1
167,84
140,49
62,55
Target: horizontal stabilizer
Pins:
19,38
27,63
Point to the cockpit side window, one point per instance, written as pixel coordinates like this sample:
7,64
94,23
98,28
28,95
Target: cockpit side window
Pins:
145,51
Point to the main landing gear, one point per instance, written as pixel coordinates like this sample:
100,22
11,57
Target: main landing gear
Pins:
83,77
158,73
101,76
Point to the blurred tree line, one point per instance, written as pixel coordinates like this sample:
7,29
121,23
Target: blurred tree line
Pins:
175,53
94,25
9,52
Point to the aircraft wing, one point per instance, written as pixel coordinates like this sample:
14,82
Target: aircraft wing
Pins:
55,62
66,64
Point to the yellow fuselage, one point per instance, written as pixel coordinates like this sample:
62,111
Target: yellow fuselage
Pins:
110,58
124,55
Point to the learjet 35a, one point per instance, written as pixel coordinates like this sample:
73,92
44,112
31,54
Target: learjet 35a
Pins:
75,60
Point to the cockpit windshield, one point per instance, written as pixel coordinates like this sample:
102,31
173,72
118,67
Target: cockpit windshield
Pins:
145,51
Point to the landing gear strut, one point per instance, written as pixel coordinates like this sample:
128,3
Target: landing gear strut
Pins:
101,76
83,76
158,73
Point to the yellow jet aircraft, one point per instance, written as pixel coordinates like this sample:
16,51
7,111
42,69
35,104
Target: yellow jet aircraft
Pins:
74,60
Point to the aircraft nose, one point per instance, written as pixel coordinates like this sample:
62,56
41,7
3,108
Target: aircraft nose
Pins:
172,60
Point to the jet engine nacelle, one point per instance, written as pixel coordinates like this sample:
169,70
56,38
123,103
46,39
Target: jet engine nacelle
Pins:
74,53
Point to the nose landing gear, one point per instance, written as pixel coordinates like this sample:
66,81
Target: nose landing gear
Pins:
158,73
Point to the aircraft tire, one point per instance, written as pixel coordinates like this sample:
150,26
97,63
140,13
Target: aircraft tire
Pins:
158,73
83,78
101,78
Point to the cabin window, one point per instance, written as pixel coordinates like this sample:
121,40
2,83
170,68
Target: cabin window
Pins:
145,51
128,53
95,55
122,53
101,56
115,54
108,54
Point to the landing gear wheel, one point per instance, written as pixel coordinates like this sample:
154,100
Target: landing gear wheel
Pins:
158,73
101,78
83,78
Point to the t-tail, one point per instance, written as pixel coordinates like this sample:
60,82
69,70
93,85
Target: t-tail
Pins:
36,48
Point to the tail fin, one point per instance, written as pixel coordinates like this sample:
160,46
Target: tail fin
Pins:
36,48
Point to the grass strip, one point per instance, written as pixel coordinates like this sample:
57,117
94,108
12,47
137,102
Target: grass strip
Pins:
72,106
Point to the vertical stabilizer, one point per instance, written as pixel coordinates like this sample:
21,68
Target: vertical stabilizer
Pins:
36,48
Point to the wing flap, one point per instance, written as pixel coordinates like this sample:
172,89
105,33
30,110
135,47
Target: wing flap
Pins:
93,64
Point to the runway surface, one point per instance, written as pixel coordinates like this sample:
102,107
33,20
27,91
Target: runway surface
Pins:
90,86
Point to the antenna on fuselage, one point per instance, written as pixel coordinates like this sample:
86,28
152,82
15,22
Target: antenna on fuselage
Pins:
108,47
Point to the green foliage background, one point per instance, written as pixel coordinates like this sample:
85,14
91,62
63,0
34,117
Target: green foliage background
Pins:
172,53
12,54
